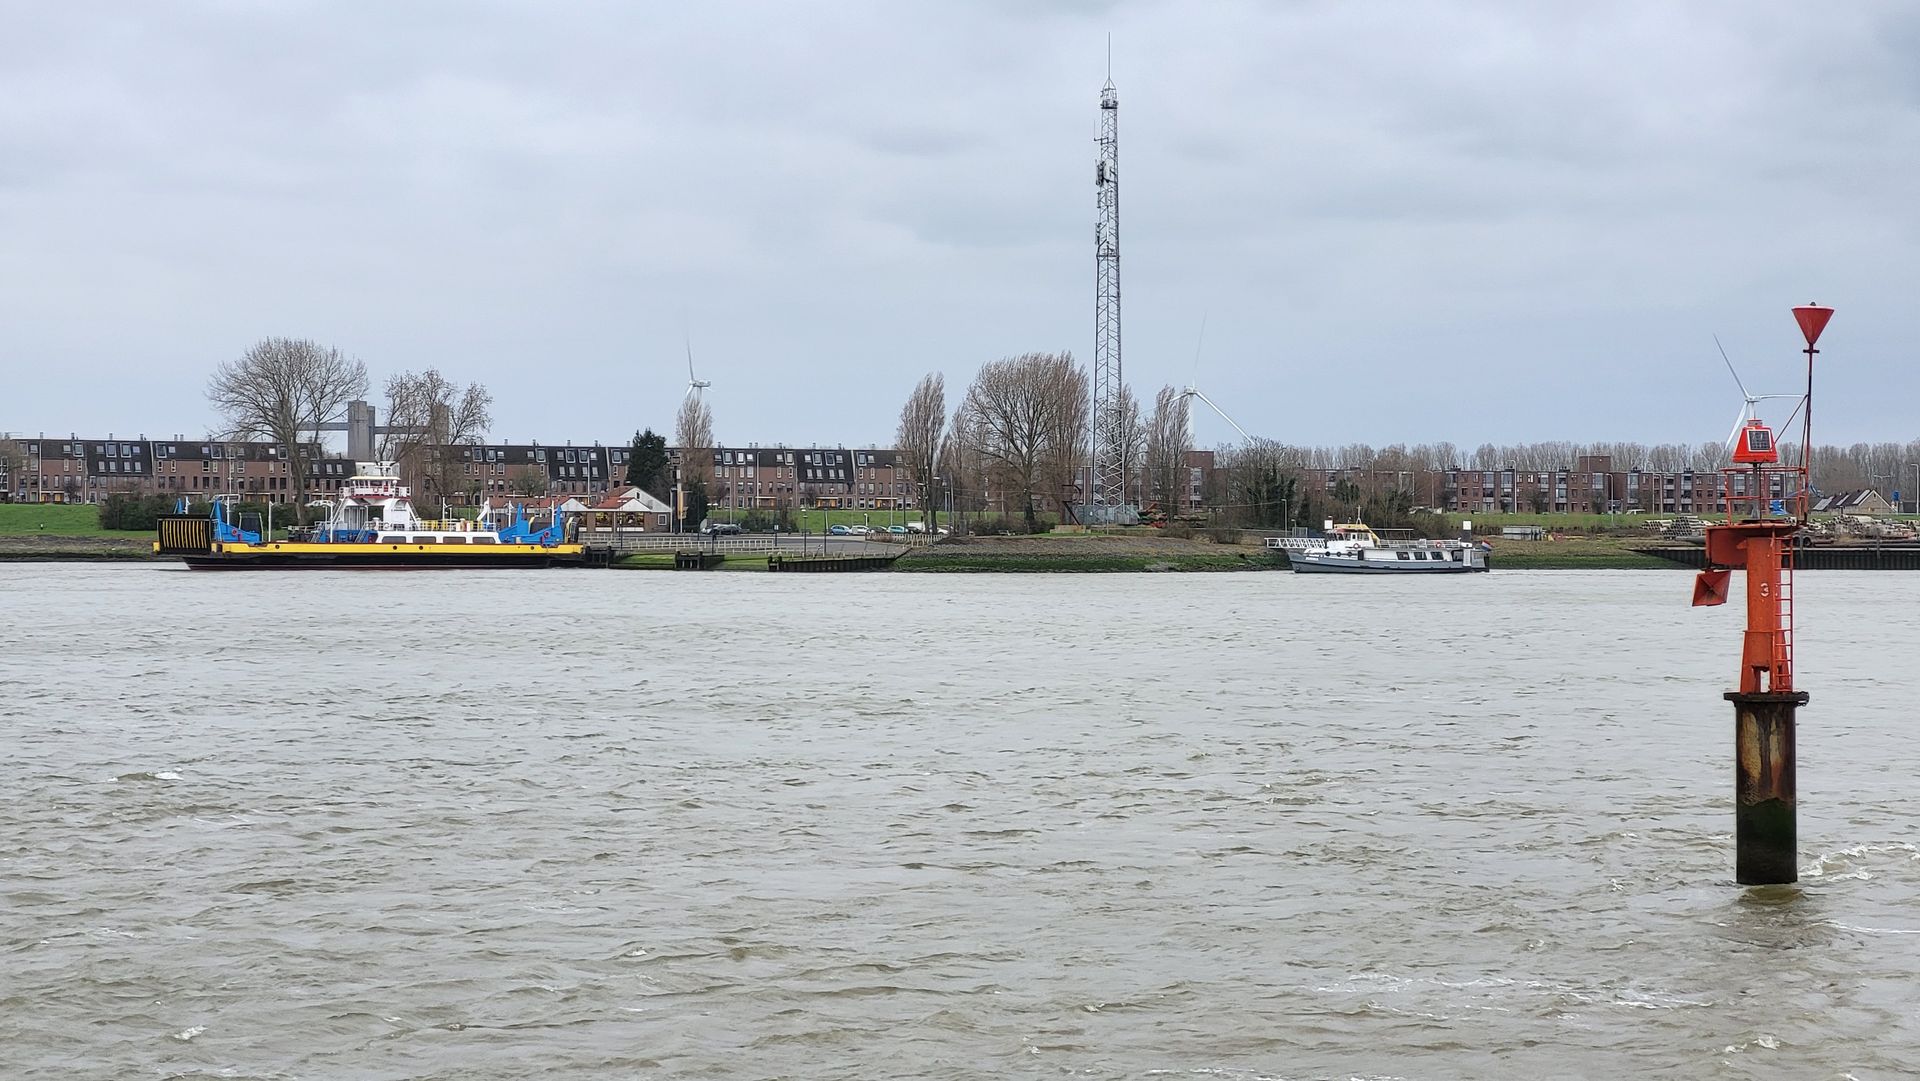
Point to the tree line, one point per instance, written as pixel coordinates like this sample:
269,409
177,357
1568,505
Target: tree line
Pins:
1831,468
1019,437
1021,432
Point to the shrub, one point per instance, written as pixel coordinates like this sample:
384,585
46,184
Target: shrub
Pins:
1224,534
1002,526
133,512
1177,531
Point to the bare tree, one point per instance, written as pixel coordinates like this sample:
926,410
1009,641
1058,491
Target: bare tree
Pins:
693,432
1025,417
527,480
969,477
1130,431
13,465
429,420
922,439
281,390
1168,442
1069,442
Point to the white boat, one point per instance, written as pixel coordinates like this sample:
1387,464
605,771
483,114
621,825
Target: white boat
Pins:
1354,548
373,507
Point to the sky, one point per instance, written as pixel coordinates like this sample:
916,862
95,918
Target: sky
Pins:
1409,222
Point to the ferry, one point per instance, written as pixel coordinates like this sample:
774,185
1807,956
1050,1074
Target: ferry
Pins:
1354,548
370,523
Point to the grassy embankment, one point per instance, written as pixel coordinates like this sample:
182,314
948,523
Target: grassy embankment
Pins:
40,531
1579,552
1059,552
663,561
1083,563
1132,550
57,520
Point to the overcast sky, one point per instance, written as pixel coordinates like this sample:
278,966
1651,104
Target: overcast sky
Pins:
1401,222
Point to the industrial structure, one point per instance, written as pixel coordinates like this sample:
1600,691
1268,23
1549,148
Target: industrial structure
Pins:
1107,491
1760,537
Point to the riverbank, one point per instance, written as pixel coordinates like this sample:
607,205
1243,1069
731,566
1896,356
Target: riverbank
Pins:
1084,553
1579,552
46,548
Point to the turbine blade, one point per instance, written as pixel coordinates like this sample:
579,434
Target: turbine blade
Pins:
1194,378
1739,422
1730,371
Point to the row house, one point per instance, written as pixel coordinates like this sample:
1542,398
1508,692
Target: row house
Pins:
770,478
754,478
498,468
77,470
1593,486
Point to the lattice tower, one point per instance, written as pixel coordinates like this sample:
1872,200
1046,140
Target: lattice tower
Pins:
1107,484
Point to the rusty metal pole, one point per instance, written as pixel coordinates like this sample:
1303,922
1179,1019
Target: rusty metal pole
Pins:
1765,817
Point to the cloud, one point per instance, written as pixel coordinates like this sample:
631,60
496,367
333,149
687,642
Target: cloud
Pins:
1492,221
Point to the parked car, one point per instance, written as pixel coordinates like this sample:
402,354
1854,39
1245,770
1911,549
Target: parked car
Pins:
916,527
840,531
860,530
899,529
720,529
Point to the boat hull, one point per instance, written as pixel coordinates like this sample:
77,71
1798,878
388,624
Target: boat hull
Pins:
1309,563
299,556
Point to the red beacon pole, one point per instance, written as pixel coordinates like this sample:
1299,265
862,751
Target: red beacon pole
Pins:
1767,504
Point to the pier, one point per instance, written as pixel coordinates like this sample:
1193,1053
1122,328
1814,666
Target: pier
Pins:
1836,557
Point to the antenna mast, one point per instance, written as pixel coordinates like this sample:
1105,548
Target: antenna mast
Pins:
1107,482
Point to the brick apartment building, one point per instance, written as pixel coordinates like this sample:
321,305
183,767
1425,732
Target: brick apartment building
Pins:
771,478
87,470
76,470
1592,486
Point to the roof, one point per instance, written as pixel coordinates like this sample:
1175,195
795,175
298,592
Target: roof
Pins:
1851,500
530,502
632,499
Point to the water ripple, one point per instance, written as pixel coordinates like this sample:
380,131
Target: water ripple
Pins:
500,825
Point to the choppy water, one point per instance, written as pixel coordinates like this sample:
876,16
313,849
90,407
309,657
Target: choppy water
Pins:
595,824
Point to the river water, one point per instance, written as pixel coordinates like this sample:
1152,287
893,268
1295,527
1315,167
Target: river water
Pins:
585,824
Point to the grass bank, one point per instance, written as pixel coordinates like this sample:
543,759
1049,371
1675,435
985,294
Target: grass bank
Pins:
58,520
654,561
1080,563
1576,553
42,549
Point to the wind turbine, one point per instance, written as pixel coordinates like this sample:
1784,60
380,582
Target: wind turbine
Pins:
695,384
1193,390
1747,414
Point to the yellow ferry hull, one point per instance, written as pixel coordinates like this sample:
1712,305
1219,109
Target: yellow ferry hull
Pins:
290,555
